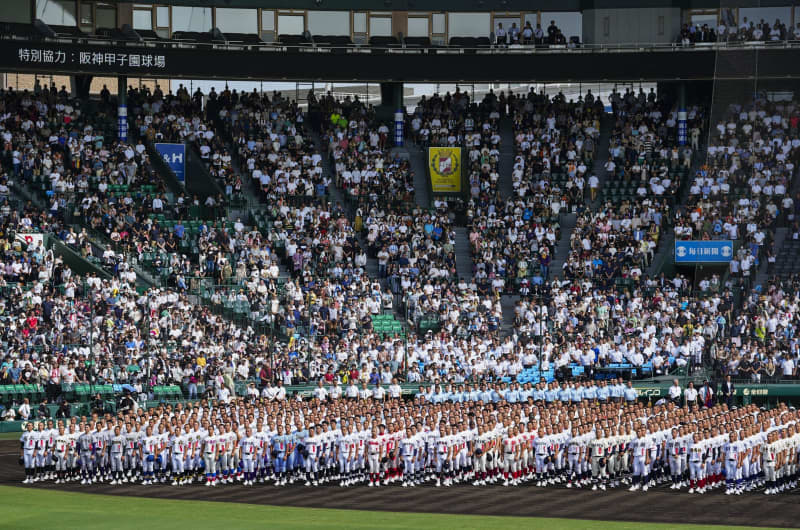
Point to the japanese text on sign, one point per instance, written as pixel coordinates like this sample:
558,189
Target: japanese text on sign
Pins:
703,251
131,60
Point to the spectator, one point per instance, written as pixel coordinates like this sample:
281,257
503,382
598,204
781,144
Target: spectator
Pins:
25,410
690,396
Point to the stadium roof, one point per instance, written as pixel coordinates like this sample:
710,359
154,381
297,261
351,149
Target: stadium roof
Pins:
465,5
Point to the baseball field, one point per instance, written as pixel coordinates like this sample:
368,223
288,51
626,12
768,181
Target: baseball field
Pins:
38,508
46,505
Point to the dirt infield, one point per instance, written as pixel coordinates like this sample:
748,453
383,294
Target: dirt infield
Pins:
660,505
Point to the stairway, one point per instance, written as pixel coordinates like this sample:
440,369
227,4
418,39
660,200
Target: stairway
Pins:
463,253
418,162
249,188
505,164
666,248
601,154
507,302
761,275
568,222
198,180
337,196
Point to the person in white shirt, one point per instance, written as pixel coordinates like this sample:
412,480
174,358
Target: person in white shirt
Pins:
25,410
690,396
395,391
675,392
500,34
788,367
594,184
223,394
320,393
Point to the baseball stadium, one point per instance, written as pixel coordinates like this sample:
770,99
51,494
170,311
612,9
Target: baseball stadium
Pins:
399,264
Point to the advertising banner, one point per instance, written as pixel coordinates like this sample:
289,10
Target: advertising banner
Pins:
175,157
688,252
444,165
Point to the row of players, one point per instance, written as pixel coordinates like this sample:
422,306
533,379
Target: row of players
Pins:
611,445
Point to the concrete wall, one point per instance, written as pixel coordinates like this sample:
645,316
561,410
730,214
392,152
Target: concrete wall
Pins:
626,26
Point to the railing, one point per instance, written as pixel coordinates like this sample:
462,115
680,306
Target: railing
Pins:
443,49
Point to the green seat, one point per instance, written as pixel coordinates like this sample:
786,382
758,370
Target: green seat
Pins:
36,391
103,390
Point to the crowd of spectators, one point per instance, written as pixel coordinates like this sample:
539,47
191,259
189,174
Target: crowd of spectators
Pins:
555,142
513,239
358,145
743,192
67,156
445,121
272,144
761,345
305,272
644,154
746,31
530,35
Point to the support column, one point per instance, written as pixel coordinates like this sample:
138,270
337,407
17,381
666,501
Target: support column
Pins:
122,108
391,101
683,132
124,14
80,85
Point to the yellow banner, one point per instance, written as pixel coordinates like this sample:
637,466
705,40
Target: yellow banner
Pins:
444,164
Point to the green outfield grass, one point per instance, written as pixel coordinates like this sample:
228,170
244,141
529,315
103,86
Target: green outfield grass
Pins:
10,435
32,508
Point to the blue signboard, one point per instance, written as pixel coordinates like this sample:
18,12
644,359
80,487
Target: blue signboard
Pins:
122,123
688,252
175,157
399,122
683,128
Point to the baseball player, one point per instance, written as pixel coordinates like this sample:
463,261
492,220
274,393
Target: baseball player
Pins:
279,456
117,446
479,456
50,434
408,448
374,455
73,458
769,459
148,452
312,454
42,439
673,448
86,447
641,456
599,447
510,450
248,453
697,451
574,457
27,444
733,464
211,449
100,451
542,447
178,443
